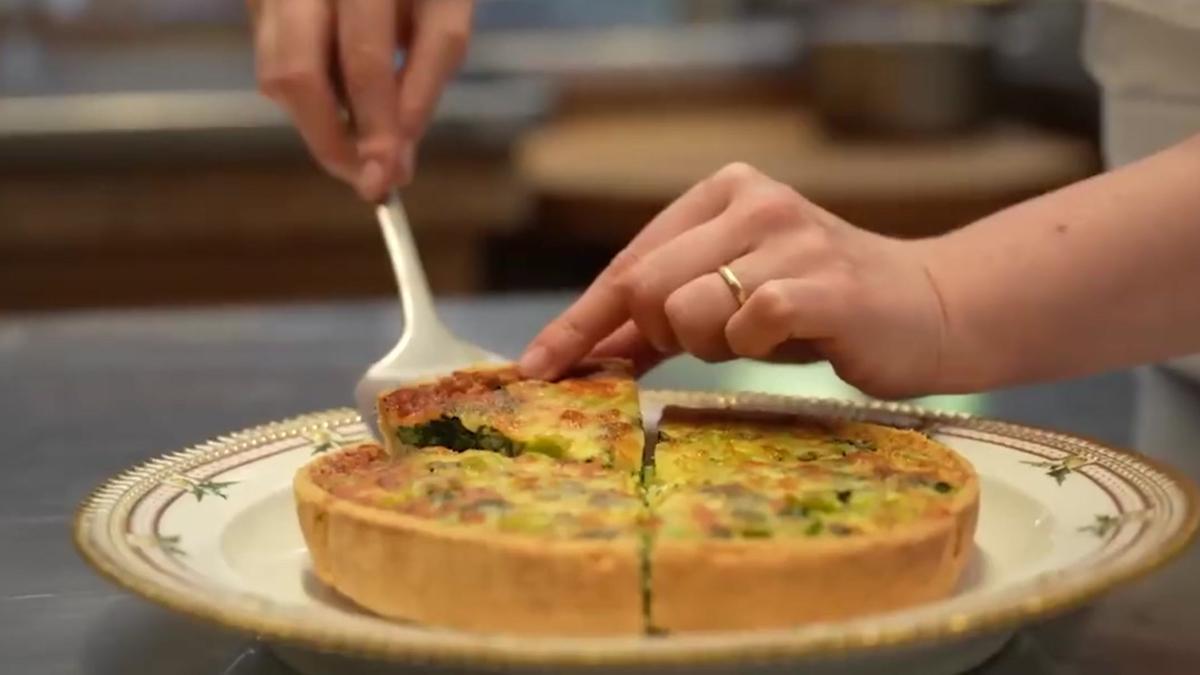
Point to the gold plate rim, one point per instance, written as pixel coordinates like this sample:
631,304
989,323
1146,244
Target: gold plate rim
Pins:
288,629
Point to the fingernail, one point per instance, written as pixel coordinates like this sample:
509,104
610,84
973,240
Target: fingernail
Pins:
370,180
405,165
535,363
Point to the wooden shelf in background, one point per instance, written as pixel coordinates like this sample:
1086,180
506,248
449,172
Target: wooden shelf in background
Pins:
204,233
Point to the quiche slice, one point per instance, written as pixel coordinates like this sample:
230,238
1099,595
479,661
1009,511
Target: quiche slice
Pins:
591,415
770,521
477,540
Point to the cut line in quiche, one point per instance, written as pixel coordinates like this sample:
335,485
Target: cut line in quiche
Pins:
515,506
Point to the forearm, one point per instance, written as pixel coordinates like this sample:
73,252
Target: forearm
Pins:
1101,274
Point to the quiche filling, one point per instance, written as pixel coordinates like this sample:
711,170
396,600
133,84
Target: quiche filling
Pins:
530,494
449,432
788,478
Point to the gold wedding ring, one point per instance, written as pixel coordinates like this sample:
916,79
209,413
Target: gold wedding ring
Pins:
734,284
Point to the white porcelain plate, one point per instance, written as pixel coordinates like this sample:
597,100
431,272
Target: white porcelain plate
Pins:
210,531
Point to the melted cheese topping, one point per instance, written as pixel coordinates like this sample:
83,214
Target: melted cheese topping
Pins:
787,478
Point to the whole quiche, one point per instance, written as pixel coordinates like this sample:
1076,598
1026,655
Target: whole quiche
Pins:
508,505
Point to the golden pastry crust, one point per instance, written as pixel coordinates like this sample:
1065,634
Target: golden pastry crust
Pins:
464,577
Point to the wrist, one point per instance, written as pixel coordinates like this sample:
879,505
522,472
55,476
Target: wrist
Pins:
965,362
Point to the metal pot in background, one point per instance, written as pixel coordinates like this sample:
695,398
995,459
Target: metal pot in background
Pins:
901,67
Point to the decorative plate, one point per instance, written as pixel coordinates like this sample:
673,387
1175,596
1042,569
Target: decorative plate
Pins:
210,531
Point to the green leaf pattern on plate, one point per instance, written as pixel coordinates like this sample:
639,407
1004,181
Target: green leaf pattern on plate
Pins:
168,543
200,488
1105,524
1060,469
323,440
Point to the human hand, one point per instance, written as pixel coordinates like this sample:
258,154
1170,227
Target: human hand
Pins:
817,287
314,56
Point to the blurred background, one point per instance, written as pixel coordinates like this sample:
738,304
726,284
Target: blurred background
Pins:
172,264
139,166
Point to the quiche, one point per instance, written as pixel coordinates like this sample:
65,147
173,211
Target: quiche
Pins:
507,505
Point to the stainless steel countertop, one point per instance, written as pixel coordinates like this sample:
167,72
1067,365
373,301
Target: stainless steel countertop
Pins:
86,394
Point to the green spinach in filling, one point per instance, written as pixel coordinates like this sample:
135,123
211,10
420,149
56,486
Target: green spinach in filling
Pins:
448,431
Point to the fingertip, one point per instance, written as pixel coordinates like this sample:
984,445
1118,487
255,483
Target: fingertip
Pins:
536,363
371,181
